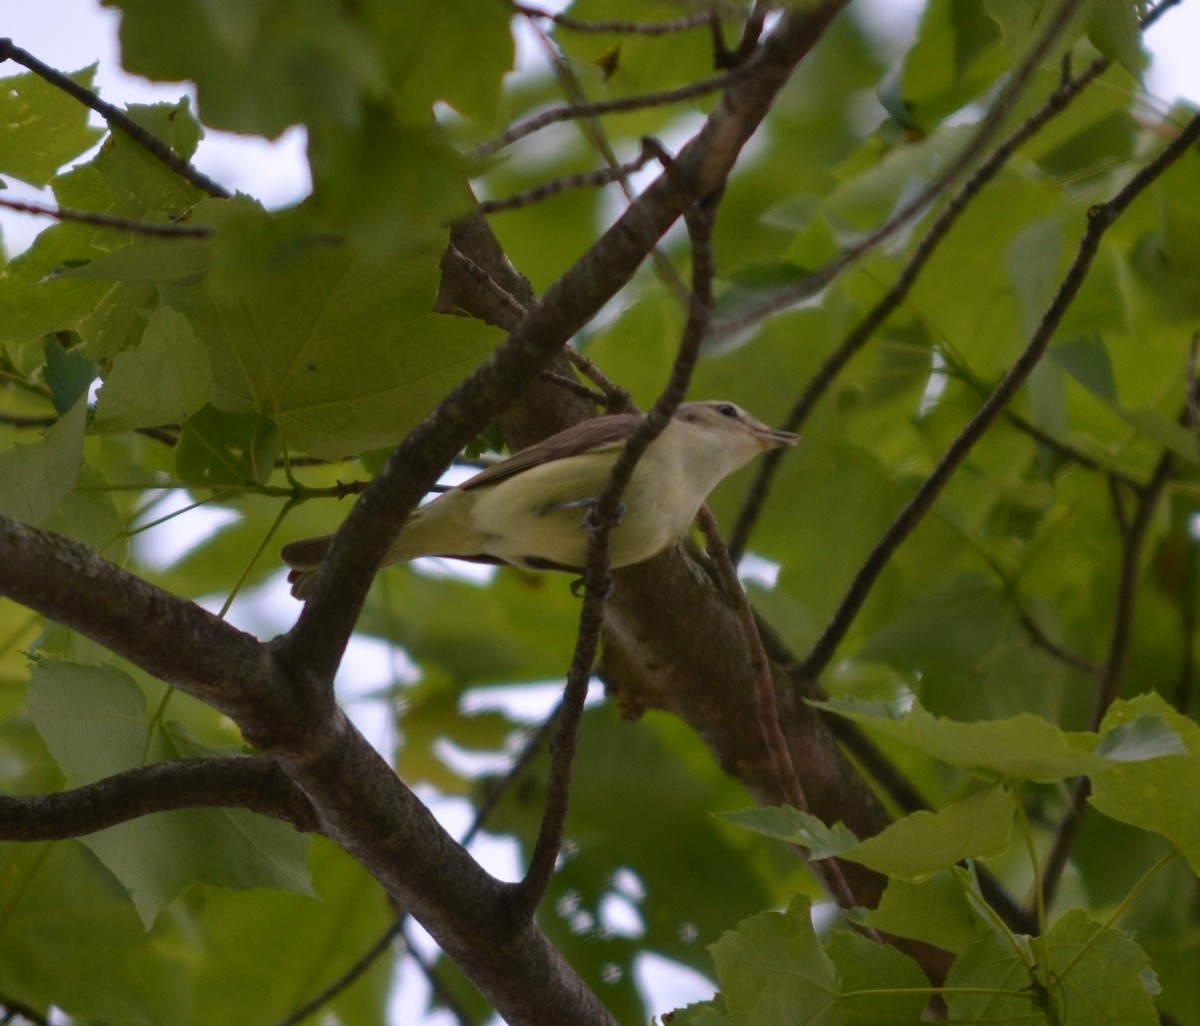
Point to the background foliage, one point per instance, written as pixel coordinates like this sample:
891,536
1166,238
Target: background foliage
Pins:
255,367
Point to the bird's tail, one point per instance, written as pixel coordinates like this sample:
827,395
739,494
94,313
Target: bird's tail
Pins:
304,557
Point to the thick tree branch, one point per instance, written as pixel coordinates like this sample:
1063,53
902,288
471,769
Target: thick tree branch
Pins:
245,782
168,637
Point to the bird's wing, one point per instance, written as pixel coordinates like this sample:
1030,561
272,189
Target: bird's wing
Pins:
588,436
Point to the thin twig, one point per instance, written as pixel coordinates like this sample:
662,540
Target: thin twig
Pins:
618,399
984,131
892,299
1100,218
601,177
594,130
107,220
625,28
598,582
554,115
361,965
115,117
767,706
575,387
510,302
1113,671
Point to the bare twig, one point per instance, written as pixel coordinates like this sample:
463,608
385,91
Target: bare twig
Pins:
594,130
984,131
768,709
627,28
891,300
1113,671
598,576
115,117
1100,218
604,176
124,224
248,782
618,399
361,965
554,115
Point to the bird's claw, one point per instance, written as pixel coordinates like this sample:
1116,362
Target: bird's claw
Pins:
591,520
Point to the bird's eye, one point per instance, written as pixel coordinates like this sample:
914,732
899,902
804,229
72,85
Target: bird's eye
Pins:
728,410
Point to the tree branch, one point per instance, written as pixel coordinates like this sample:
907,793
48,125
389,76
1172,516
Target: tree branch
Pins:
115,117
246,782
1100,219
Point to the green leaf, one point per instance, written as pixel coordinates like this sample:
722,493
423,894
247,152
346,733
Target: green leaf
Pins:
35,478
880,985
138,184
795,827
1088,362
258,67
772,969
955,57
178,260
1021,747
69,375
164,380
93,719
422,43
920,844
1022,23
1113,28
700,1013
341,354
44,127
71,939
1147,793
938,910
1095,976
217,448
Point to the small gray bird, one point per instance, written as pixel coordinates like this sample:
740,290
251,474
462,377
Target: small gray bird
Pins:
527,510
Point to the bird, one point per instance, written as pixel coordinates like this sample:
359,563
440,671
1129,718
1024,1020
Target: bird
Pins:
525,510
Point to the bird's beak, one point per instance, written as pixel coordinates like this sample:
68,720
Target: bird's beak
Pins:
770,439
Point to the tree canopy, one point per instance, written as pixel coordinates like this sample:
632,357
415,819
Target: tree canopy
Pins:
940,752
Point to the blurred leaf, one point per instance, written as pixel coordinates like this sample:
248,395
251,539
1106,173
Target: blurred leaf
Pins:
68,374
35,478
43,126
164,380
258,67
1087,361
94,721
